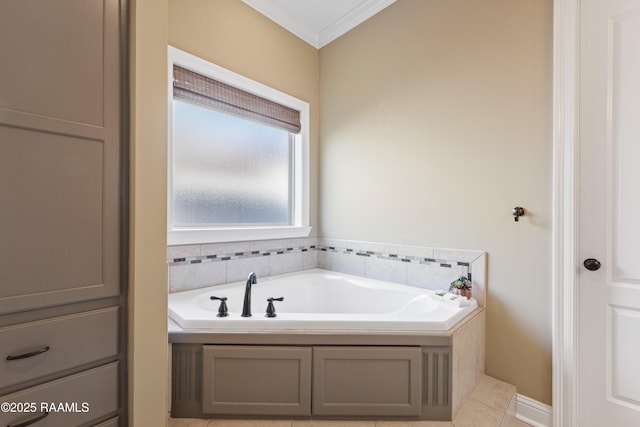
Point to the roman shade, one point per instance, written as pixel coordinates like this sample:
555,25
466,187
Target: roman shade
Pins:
199,89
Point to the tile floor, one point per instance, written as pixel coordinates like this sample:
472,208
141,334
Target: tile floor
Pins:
492,404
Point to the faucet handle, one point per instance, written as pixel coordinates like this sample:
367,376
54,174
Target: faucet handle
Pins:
271,309
223,311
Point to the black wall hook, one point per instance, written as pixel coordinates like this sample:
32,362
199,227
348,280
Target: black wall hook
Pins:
517,213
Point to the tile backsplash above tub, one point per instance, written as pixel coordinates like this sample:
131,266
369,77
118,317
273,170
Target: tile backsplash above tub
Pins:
197,266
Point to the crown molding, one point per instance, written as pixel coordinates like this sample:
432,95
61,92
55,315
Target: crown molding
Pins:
342,25
283,18
352,19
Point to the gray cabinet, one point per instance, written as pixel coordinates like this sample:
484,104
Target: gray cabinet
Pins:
61,209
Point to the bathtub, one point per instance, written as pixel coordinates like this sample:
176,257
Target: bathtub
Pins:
321,300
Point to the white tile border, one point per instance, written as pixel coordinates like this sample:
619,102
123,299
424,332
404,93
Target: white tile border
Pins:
532,412
382,261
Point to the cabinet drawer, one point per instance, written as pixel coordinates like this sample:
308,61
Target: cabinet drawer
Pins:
256,380
383,381
54,345
113,422
87,395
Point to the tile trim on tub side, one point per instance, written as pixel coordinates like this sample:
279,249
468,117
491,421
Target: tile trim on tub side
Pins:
425,267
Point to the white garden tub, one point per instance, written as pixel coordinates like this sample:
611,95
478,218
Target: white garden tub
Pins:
321,300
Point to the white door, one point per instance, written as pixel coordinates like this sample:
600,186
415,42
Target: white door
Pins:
609,214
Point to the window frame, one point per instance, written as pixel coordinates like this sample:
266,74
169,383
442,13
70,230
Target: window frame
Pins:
299,226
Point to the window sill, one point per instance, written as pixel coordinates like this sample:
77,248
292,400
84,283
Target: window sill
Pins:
219,235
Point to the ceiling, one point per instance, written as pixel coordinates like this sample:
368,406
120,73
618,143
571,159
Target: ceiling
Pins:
318,22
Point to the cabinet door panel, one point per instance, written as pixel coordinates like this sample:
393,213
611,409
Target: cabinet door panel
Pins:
53,53
59,152
51,218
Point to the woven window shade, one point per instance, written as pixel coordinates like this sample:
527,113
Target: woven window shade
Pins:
211,93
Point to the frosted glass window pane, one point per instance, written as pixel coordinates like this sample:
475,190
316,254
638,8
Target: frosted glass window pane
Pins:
228,170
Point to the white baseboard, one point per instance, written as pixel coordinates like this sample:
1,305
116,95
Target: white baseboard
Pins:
532,412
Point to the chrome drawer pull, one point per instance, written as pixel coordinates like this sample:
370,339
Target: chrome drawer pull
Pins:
29,422
30,354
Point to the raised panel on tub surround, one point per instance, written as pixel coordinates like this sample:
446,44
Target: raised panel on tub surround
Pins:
353,376
256,380
367,381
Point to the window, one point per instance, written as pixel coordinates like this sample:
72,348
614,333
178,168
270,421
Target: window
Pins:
238,157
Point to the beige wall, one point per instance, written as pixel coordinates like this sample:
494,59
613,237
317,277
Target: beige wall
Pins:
234,36
435,123
147,350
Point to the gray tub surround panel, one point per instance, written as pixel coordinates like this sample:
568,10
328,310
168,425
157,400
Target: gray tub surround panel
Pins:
347,381
355,374
197,266
367,381
186,379
256,380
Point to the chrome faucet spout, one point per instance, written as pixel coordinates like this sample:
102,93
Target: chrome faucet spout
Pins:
246,306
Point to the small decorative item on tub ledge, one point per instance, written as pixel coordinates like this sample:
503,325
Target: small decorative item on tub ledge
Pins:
461,286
